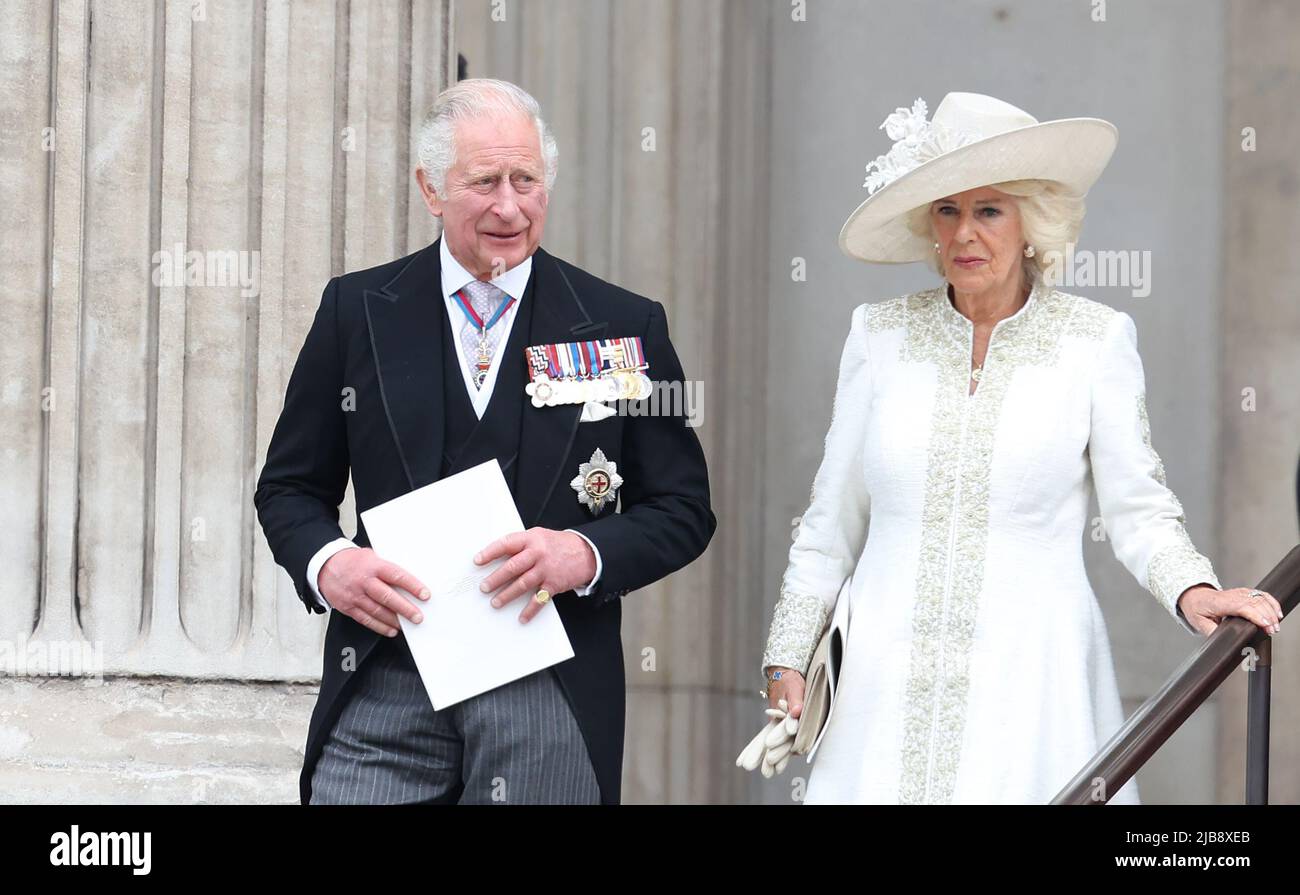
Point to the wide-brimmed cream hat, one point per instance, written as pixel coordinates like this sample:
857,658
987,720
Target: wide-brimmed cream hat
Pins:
974,140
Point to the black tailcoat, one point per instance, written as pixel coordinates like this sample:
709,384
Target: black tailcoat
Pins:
379,333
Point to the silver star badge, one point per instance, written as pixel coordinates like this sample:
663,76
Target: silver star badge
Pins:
596,482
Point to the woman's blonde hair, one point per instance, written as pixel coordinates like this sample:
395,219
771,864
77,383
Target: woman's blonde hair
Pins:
1050,218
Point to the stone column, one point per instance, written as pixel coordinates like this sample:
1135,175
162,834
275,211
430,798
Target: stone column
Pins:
660,109
183,186
1261,359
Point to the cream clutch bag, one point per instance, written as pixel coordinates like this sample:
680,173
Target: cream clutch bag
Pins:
822,679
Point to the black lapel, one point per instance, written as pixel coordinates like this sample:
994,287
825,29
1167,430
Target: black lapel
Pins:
546,433
405,320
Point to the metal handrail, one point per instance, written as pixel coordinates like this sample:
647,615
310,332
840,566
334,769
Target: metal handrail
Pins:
1235,642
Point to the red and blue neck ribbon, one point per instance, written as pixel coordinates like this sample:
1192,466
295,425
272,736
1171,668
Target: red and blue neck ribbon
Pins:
473,316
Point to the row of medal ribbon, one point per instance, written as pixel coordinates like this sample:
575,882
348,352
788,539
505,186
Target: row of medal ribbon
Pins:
578,372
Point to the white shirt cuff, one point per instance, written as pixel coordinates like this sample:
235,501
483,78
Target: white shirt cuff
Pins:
584,591
318,561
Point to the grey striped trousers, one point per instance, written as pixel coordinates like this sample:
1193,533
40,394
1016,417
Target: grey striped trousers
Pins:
517,744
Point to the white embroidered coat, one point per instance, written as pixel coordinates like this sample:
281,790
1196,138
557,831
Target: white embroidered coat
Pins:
977,668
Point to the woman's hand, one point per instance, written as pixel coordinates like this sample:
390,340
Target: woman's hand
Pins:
1204,607
789,687
772,747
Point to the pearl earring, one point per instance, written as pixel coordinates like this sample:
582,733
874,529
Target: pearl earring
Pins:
1029,251
936,246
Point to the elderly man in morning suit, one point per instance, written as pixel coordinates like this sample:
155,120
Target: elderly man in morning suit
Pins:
438,348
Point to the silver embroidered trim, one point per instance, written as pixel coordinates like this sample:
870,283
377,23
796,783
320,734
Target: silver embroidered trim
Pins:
891,314
955,512
1145,422
1177,566
797,624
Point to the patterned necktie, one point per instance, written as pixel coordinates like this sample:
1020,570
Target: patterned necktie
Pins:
485,299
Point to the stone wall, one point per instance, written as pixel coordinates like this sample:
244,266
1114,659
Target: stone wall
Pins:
179,180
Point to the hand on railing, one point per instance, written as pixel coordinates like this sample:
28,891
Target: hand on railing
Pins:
1208,610
1204,607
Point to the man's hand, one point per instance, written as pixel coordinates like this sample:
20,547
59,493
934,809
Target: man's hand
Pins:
359,584
555,561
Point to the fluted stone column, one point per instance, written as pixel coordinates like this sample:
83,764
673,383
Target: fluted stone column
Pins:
256,150
660,111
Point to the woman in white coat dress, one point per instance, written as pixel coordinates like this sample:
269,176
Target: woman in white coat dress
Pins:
971,423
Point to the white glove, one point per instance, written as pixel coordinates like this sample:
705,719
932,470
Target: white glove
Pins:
770,749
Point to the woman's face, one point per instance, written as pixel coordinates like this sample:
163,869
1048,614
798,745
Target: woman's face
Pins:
980,243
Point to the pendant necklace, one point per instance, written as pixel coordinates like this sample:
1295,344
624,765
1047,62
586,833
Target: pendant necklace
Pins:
483,360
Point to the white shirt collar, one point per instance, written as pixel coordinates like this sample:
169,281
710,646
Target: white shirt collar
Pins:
454,276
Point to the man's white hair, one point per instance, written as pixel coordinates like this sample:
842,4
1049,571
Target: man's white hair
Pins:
477,98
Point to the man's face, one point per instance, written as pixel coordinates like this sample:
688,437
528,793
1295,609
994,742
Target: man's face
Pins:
494,207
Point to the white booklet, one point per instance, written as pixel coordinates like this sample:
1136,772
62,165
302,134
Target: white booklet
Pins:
464,646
